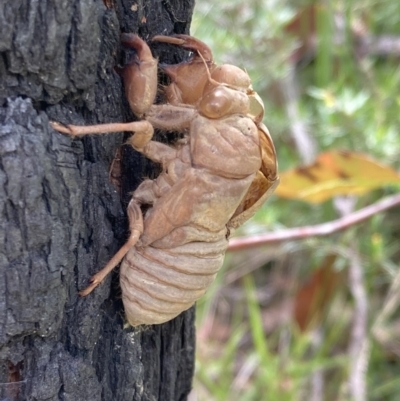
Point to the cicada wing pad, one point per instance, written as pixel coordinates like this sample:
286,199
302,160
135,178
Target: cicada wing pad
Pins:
264,183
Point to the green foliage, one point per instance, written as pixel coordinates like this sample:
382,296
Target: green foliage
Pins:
347,98
262,373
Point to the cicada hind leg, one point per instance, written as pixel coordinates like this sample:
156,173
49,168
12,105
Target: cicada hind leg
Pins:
136,229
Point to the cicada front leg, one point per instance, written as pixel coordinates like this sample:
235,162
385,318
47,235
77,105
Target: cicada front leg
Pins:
140,75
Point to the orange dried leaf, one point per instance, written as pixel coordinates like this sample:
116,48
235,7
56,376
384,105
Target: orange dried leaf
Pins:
313,297
336,173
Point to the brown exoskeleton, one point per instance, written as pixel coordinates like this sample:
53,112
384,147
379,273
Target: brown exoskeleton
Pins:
210,183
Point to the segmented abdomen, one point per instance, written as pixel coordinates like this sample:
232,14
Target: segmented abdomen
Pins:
158,284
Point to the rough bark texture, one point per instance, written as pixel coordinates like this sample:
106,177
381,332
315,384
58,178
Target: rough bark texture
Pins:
60,217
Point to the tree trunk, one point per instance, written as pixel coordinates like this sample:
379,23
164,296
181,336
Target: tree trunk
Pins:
61,218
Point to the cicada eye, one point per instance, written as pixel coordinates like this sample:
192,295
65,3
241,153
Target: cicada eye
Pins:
215,104
223,101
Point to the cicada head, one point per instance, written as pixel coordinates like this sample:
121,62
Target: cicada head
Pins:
189,77
187,81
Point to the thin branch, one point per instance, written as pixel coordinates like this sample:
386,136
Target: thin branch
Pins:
318,230
305,143
379,46
359,345
358,348
317,378
385,331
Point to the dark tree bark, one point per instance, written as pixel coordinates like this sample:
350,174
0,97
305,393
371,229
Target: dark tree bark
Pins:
61,218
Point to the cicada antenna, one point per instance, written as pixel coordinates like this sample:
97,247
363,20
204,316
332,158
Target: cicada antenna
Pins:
210,79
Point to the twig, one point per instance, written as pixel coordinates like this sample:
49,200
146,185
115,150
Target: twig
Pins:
318,230
305,143
378,46
359,347
359,344
384,331
317,377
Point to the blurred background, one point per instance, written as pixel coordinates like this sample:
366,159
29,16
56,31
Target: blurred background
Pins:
314,318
